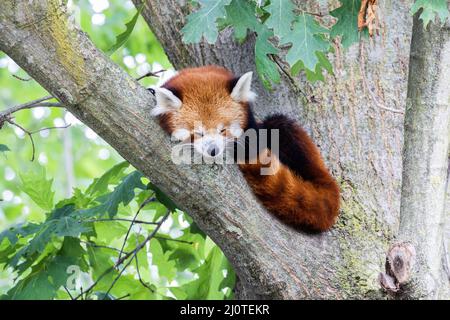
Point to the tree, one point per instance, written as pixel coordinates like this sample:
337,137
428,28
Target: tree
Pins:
356,118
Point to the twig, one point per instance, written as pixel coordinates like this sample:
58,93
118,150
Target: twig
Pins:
121,219
20,78
123,297
289,76
150,74
92,244
28,105
81,293
387,108
135,251
139,275
147,201
176,240
125,257
30,133
68,292
51,128
372,94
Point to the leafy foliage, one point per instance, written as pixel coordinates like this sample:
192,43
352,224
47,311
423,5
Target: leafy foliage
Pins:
431,9
281,17
35,185
212,281
241,15
276,19
82,231
266,67
203,21
306,41
279,23
123,37
347,22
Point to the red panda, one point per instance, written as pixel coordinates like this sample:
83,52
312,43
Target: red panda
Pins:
209,107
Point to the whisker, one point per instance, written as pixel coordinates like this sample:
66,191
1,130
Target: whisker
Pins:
186,144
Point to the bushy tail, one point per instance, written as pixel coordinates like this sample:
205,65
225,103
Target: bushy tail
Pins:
300,189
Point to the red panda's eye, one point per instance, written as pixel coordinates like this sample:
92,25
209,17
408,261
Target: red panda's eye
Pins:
223,130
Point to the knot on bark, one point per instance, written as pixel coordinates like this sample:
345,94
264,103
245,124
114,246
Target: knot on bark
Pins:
400,261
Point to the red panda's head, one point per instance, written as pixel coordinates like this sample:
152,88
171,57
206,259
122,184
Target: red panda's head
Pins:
205,105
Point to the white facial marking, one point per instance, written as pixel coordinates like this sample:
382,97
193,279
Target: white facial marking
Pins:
242,90
166,101
156,111
181,134
210,145
235,129
200,131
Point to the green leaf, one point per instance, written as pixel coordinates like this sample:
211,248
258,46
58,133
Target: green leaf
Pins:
241,16
281,17
79,199
19,231
186,255
166,267
100,260
266,67
60,223
431,9
347,24
4,148
49,274
123,37
306,42
203,21
36,286
123,193
35,185
100,185
163,198
317,75
209,283
109,231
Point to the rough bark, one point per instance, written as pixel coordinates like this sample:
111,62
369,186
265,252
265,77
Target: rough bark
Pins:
425,156
361,141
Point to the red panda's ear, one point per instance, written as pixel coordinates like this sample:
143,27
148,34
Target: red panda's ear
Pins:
166,101
241,92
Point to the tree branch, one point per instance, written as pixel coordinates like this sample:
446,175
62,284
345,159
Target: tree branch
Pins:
31,104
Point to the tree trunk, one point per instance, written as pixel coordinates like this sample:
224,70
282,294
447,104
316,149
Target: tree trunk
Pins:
352,122
426,156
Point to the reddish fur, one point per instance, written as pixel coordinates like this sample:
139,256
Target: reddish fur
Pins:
206,98
311,202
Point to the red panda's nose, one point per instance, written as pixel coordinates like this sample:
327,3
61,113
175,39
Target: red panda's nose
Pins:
213,150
